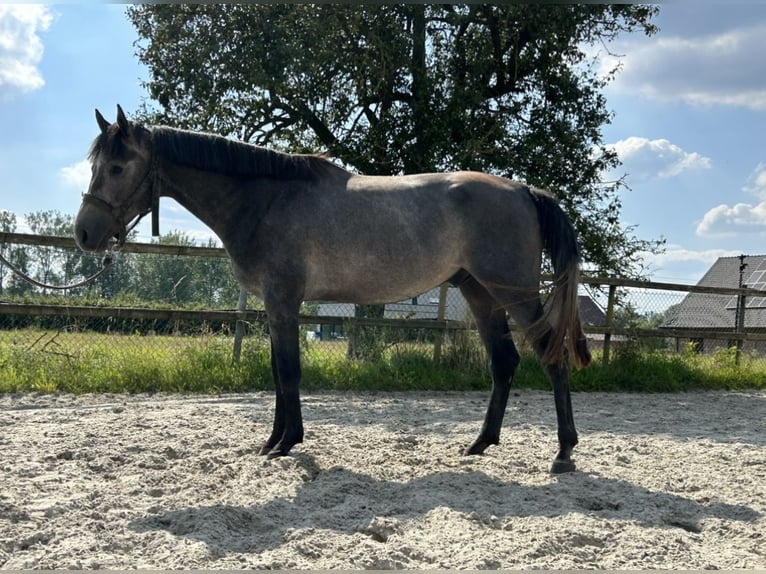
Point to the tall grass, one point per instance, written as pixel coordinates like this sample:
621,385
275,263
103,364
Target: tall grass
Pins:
634,369
91,363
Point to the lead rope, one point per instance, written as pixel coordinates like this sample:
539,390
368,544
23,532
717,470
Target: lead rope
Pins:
106,262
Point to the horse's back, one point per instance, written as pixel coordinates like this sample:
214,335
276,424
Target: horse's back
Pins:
465,211
455,197
378,239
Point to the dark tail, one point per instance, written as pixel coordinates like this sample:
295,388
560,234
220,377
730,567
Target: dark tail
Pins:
567,340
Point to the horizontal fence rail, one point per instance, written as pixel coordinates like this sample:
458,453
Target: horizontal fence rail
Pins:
253,316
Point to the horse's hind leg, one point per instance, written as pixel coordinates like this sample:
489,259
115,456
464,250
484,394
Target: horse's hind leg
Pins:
559,376
527,313
503,359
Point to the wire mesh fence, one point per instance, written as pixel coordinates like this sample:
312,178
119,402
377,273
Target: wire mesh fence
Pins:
178,305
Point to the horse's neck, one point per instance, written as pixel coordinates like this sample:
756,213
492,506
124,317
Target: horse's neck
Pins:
215,199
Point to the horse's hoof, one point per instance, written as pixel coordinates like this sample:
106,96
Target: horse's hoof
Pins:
562,466
478,447
276,452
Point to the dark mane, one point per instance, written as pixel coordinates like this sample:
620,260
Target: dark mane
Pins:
215,153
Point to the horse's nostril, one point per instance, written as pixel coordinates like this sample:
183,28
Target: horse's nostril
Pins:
83,236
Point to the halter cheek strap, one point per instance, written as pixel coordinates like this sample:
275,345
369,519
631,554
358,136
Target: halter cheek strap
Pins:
155,206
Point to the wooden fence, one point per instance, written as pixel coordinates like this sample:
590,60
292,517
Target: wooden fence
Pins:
609,331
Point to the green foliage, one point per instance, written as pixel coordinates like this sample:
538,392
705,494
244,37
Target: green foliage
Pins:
10,252
145,280
402,370
633,369
77,363
48,265
408,88
174,280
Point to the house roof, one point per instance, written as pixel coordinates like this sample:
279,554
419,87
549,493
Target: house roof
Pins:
710,311
590,313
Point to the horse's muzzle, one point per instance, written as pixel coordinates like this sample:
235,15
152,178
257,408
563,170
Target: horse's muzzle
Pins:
92,231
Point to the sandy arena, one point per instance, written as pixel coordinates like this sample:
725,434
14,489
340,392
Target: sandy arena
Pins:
110,481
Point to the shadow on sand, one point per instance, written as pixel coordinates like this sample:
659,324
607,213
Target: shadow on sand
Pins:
345,501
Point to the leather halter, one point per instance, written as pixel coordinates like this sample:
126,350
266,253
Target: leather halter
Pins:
118,212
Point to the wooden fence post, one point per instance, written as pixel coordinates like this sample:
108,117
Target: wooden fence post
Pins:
239,331
440,314
609,322
740,327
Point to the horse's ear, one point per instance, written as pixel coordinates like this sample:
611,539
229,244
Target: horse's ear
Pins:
122,121
102,123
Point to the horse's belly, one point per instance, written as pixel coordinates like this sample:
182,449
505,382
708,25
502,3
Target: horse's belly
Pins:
375,281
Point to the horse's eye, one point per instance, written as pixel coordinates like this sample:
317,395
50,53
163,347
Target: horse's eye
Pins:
115,170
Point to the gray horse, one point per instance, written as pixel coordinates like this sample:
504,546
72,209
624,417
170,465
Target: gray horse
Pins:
298,227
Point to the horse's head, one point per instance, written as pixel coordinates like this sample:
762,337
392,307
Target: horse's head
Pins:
121,184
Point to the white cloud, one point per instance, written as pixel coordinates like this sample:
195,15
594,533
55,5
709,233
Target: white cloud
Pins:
722,69
21,48
678,254
647,159
756,183
76,175
750,218
725,220
679,264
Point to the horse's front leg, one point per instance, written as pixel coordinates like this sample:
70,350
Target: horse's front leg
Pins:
287,430
278,428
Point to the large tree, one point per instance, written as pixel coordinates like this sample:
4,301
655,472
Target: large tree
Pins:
408,88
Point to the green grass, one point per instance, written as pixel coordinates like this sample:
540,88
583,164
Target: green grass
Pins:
32,360
658,371
92,363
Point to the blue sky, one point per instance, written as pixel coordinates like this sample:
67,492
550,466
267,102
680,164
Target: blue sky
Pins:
689,104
